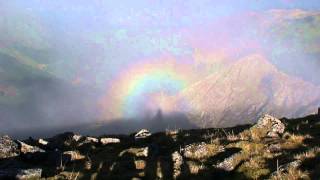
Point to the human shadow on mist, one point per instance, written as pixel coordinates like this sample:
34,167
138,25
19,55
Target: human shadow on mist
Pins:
159,122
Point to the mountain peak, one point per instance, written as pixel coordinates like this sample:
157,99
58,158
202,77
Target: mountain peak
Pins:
255,64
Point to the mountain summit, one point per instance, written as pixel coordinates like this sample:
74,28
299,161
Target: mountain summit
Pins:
246,89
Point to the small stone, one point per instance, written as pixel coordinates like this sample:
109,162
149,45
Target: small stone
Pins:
142,152
228,164
74,155
88,165
76,137
274,148
92,139
105,141
143,133
43,142
140,164
29,174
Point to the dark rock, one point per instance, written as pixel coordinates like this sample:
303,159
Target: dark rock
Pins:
64,141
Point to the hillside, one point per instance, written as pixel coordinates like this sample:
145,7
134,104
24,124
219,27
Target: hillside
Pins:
240,93
269,149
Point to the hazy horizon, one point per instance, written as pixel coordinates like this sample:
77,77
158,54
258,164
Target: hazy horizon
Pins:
64,63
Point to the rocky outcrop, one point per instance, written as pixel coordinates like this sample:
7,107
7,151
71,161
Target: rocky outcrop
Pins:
8,147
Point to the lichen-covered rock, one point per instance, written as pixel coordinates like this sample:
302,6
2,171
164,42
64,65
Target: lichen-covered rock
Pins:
229,163
21,174
8,148
268,126
195,150
201,150
177,160
105,141
143,133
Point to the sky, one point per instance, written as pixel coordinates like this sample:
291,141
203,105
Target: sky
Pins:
120,57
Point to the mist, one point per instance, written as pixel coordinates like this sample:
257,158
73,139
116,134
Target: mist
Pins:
64,64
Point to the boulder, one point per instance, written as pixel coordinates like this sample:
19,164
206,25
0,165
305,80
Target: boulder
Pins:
143,133
16,173
269,126
8,147
105,141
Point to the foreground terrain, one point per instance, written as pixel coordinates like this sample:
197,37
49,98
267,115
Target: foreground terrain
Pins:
269,149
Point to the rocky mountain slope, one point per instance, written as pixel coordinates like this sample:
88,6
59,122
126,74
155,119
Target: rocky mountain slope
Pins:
240,93
269,149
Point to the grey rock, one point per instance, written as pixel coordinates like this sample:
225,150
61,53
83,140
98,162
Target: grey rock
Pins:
228,164
143,133
8,148
25,148
15,173
273,126
105,141
177,160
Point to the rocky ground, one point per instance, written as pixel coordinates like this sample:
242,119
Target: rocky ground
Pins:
269,149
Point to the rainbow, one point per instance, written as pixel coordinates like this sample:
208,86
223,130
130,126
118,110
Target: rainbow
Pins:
145,86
